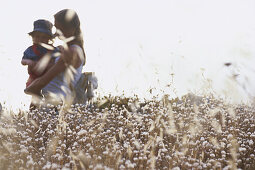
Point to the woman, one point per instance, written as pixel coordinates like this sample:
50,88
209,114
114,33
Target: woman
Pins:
57,84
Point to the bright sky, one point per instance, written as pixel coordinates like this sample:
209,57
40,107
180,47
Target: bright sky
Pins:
134,45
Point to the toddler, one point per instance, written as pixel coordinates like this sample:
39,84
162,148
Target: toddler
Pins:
42,45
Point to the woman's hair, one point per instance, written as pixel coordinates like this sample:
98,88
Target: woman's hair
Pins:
69,19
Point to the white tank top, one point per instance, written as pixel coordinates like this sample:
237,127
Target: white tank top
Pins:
58,88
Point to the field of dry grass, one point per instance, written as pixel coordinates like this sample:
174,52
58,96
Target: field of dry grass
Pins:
126,133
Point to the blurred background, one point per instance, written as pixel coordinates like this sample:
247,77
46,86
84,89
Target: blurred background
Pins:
143,47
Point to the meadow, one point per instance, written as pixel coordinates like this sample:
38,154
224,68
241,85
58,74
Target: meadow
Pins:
118,132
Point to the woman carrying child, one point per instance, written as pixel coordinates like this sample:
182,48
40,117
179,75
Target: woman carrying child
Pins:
56,85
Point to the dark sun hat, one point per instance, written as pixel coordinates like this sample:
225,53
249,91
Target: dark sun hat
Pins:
44,26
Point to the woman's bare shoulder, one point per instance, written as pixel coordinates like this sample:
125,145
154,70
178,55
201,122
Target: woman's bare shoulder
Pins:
78,53
76,48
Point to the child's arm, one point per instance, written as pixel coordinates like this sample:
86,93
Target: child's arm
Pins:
28,62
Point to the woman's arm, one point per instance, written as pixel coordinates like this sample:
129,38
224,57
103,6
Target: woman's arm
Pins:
43,65
42,81
50,64
68,57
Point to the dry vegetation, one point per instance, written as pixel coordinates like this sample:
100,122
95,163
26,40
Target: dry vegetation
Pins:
126,133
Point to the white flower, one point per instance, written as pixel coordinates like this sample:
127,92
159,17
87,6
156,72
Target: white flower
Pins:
242,149
47,166
82,132
251,142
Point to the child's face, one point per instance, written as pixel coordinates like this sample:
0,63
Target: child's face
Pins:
40,37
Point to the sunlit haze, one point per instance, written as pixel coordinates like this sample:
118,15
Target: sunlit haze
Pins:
137,45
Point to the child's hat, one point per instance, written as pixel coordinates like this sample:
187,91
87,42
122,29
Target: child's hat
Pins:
44,26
